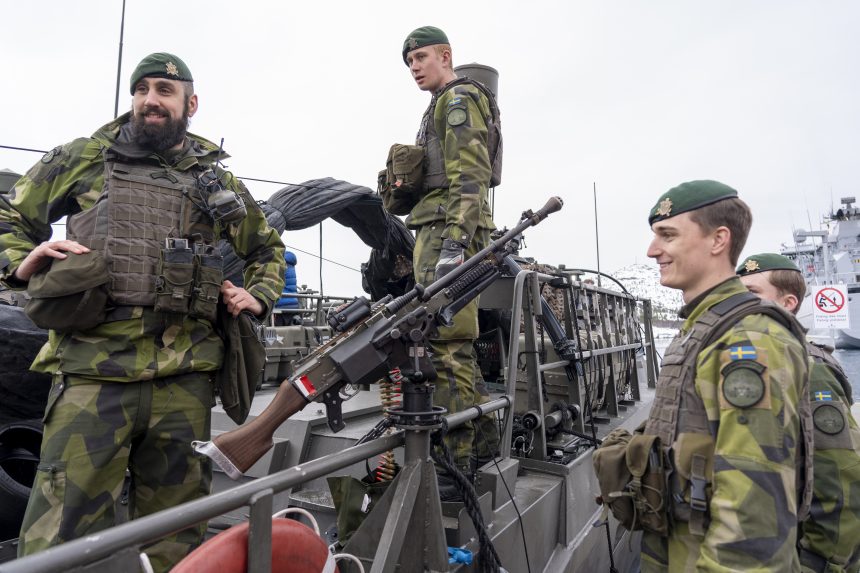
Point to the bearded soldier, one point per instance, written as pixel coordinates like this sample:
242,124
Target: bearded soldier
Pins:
132,346
831,534
461,142
731,410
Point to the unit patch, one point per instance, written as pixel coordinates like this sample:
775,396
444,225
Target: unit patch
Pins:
48,157
828,419
457,116
743,385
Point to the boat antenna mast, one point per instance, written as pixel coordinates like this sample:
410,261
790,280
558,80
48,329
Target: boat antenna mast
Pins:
596,233
119,61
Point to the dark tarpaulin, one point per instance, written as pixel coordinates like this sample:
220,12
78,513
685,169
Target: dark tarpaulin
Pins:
354,206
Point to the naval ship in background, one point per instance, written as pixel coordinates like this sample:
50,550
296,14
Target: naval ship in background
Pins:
830,256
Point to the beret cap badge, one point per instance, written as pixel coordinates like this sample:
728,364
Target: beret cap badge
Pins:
413,43
665,208
751,265
171,69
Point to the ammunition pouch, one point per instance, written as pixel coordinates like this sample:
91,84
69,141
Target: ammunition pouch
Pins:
175,277
70,294
208,276
631,474
401,184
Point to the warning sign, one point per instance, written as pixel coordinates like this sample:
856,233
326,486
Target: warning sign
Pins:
830,306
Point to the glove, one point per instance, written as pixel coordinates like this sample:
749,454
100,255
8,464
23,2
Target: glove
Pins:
450,257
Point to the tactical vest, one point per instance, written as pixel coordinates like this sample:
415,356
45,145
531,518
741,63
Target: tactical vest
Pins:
678,409
140,207
434,160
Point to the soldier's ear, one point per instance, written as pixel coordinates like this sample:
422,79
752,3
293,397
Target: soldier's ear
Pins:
788,301
721,240
192,105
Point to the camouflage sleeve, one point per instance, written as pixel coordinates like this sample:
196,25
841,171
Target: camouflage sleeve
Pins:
261,247
461,123
42,196
751,381
833,528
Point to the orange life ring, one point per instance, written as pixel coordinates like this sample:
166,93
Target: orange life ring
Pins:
295,549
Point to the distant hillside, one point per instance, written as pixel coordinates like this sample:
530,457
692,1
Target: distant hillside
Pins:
643,281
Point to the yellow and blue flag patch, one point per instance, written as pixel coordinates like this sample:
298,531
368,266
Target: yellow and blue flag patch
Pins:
743,353
823,396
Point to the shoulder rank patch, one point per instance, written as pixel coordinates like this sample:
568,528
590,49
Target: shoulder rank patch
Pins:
457,116
828,419
743,385
743,353
822,396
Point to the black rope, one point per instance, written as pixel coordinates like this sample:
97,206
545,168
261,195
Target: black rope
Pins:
488,559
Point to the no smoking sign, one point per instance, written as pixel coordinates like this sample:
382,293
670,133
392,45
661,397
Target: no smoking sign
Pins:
830,306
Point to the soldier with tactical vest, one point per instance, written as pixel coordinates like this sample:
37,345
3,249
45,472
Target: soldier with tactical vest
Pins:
727,435
131,297
458,157
831,534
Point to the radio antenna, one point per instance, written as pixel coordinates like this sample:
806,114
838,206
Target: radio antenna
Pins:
119,62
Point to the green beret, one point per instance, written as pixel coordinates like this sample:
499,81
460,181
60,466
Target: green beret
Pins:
160,65
766,262
423,36
689,196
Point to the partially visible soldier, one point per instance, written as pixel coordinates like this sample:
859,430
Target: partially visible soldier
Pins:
461,140
831,534
730,398
133,373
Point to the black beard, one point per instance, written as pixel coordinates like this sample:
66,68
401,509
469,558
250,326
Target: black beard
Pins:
159,137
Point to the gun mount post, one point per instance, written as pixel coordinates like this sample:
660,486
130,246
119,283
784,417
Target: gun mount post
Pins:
410,508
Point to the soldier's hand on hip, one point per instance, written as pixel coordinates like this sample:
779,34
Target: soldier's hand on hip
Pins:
42,255
238,299
450,257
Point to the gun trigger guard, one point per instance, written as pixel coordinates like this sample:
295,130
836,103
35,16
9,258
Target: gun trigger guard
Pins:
334,413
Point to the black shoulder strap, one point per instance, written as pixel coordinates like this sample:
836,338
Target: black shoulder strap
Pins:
741,305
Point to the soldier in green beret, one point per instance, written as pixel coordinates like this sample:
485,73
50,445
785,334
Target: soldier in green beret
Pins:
729,403
460,135
146,205
831,534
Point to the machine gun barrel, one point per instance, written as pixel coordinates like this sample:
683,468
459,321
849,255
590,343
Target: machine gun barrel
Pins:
365,351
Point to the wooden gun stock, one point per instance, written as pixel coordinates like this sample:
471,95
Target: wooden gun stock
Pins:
237,450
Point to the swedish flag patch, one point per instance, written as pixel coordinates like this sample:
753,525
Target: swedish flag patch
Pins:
454,101
823,396
743,353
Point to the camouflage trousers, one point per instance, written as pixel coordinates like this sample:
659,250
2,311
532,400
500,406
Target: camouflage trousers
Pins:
459,383
94,431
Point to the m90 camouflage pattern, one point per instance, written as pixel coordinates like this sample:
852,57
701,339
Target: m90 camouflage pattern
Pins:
372,341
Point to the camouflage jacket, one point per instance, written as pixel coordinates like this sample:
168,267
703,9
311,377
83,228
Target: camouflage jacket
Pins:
832,531
464,205
69,179
752,448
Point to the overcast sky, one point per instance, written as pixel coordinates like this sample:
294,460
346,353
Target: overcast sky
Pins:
633,96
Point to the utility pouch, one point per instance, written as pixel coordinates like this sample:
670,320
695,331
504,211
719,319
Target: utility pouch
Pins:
631,473
404,178
208,276
353,500
175,278
70,294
